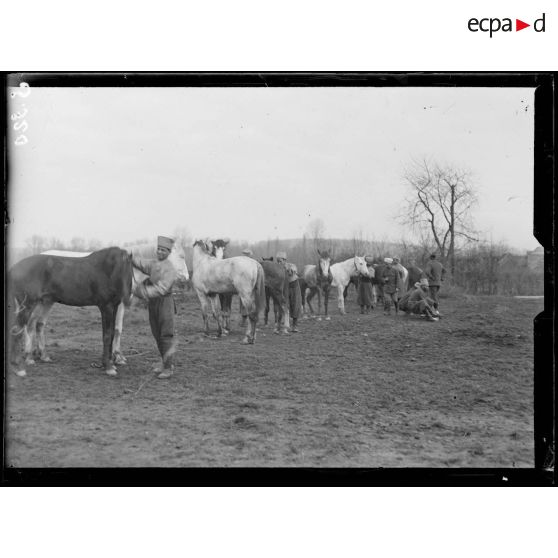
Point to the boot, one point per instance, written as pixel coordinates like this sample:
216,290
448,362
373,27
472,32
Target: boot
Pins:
294,329
166,373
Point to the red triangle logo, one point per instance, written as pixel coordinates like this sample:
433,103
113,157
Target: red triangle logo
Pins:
519,25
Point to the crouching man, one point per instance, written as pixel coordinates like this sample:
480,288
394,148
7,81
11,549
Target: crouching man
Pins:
416,301
157,289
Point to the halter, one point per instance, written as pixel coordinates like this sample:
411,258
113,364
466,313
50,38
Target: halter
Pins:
14,331
20,307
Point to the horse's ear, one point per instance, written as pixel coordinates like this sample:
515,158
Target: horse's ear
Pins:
319,253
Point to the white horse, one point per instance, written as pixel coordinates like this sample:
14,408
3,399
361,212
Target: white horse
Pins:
342,273
176,257
316,278
404,273
241,275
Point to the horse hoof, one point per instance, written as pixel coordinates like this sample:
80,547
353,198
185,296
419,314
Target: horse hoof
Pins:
111,372
120,360
328,318
319,319
29,361
21,373
46,359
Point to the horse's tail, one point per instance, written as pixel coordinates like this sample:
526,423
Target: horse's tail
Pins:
259,291
127,275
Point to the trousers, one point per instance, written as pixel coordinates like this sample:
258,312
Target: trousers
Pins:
161,320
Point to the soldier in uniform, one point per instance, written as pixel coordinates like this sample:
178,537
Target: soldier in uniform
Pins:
435,273
365,296
392,286
416,301
157,289
295,297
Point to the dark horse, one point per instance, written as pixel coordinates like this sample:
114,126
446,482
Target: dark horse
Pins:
317,279
102,279
415,274
352,281
276,289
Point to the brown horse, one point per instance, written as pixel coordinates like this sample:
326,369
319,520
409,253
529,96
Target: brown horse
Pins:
415,275
276,289
102,279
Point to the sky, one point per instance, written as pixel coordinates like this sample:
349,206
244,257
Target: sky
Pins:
120,164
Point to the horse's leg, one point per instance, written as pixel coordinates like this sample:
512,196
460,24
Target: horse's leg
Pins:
249,310
278,314
108,315
243,312
374,296
266,311
227,299
303,298
205,306
216,311
280,311
30,335
318,292
326,301
117,355
45,309
310,296
20,333
224,301
340,300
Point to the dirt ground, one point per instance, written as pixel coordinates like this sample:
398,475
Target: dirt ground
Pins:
356,391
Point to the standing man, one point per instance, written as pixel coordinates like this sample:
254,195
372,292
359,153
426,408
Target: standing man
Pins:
435,273
295,297
157,289
365,296
392,286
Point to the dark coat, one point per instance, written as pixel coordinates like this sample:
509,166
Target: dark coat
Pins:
435,272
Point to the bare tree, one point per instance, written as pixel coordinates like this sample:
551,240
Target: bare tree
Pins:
439,205
359,242
35,244
316,231
182,236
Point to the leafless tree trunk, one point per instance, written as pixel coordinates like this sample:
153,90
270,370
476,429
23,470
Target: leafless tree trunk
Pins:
316,231
439,204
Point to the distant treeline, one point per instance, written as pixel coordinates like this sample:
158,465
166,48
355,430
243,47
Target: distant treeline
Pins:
483,269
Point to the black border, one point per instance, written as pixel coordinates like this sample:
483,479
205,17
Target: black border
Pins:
544,323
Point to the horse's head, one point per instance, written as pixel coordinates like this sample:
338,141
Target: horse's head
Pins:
218,247
323,263
178,260
361,267
202,245
270,259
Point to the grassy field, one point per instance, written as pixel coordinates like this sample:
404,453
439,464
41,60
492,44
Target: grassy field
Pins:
356,391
